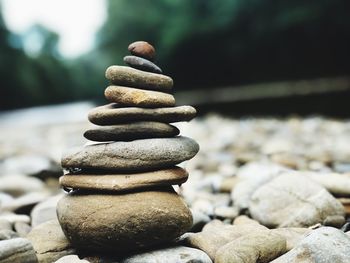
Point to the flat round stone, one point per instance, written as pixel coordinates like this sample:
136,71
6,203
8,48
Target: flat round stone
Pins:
115,114
131,131
123,222
142,64
124,182
139,98
133,156
142,49
130,77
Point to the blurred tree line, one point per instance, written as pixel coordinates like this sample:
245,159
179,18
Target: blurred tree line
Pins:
200,43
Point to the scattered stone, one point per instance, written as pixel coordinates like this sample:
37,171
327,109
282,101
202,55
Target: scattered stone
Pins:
142,49
17,250
173,254
142,64
112,114
123,222
22,228
132,131
13,218
262,247
293,235
244,220
17,185
45,211
134,156
5,224
199,220
295,201
325,244
7,234
125,182
71,259
130,77
226,212
49,242
132,97
228,184
25,203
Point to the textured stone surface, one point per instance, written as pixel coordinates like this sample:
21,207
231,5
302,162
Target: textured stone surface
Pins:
142,49
293,235
49,242
295,201
131,131
125,182
323,245
113,114
262,246
17,250
130,77
71,259
142,64
45,211
123,222
138,155
138,97
173,254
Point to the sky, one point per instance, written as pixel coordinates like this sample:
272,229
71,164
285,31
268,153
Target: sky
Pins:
76,21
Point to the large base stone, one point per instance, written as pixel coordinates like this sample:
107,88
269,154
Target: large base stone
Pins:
123,222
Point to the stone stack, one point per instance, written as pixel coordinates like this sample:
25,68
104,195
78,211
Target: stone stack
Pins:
121,197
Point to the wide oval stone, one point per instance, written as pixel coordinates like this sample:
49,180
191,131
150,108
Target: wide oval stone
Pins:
130,77
123,222
131,131
139,97
142,64
113,113
124,182
133,156
142,49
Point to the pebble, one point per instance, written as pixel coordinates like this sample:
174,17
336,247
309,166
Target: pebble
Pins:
178,254
17,250
112,114
17,184
295,201
125,182
262,246
325,244
49,242
142,64
22,228
133,156
25,203
226,212
130,77
71,259
123,222
142,49
199,220
45,211
132,131
293,235
132,97
7,234
13,218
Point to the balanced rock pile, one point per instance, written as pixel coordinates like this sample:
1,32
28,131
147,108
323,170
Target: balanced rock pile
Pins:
122,198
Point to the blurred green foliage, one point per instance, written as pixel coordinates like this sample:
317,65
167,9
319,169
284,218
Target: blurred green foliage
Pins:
200,43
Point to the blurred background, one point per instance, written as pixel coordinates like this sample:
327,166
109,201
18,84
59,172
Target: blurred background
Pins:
233,56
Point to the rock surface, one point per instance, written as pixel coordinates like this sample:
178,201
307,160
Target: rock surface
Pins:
295,201
49,242
131,131
142,64
173,254
17,250
142,49
127,219
323,245
132,97
71,259
130,77
124,182
112,114
45,211
134,156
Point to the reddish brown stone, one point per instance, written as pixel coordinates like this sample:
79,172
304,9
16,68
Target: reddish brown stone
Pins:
142,49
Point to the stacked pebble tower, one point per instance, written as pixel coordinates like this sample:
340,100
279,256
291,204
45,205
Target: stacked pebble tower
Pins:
121,197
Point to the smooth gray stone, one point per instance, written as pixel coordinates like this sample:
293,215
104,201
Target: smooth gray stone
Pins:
142,64
130,77
17,250
45,211
179,254
326,244
5,224
133,156
22,229
7,234
131,131
113,113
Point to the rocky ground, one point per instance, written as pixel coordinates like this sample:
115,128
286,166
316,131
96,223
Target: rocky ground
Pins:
260,189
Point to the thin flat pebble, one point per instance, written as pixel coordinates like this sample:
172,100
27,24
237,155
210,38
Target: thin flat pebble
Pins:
142,64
